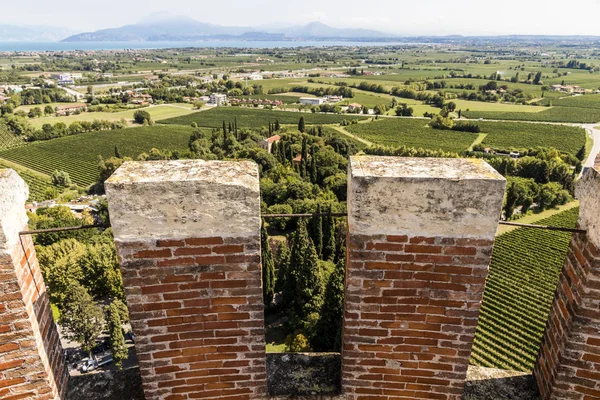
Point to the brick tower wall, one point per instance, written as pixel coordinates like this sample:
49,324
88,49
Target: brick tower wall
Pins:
188,240
421,233
32,365
568,365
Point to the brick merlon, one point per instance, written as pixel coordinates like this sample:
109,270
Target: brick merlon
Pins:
177,199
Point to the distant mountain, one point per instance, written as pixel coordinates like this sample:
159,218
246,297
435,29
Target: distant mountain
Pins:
188,29
176,28
12,33
320,30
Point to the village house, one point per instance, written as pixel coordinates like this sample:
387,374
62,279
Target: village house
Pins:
218,99
267,143
314,101
568,89
70,109
353,107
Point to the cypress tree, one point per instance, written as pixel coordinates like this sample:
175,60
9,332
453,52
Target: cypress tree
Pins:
283,262
313,164
328,236
304,285
317,231
301,125
117,153
268,267
580,154
328,332
117,341
224,128
275,150
304,154
277,127
270,130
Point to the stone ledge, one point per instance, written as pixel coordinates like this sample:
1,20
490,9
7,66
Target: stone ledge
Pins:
432,197
183,199
482,383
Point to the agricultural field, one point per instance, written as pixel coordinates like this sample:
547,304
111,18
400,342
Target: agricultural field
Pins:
253,118
37,182
524,271
396,132
514,136
585,101
158,113
9,141
552,114
78,154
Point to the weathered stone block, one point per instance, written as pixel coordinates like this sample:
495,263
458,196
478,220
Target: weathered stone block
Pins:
427,197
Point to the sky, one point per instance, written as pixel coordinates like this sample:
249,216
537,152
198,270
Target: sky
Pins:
414,17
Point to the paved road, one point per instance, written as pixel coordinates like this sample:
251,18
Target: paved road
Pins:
595,134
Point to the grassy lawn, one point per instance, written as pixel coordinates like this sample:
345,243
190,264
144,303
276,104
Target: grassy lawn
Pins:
501,107
254,117
158,113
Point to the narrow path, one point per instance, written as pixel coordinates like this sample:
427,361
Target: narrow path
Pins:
533,218
594,134
345,132
477,141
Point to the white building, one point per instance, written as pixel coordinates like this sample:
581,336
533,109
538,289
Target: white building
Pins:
315,101
267,143
218,99
255,77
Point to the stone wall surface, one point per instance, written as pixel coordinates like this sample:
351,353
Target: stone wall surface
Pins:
31,360
420,237
188,240
304,374
568,365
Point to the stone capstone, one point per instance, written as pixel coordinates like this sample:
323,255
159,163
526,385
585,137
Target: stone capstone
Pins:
13,217
178,199
424,197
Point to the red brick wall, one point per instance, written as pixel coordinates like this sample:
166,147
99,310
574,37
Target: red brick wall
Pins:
31,362
568,364
411,308
196,310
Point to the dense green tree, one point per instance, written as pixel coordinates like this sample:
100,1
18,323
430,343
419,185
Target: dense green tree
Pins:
282,265
268,267
317,231
81,318
303,285
61,178
328,331
301,125
142,117
328,235
115,331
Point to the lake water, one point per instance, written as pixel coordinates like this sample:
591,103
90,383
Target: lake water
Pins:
66,46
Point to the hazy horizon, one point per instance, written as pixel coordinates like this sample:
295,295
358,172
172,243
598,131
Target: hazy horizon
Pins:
427,17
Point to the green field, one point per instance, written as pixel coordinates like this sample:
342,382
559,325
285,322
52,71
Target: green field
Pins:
553,114
37,182
157,112
78,154
586,101
515,136
253,118
524,271
9,141
396,132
